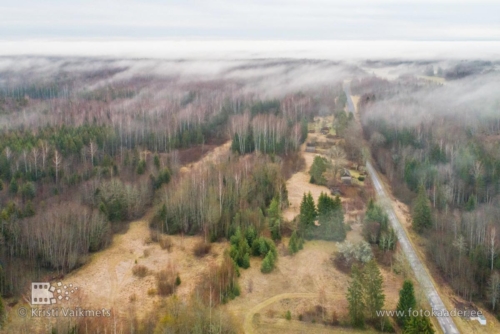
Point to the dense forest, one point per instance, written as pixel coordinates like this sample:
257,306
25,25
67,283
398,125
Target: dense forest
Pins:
438,144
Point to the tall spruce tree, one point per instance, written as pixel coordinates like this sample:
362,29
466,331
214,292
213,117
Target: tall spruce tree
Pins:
331,219
374,295
293,247
355,298
406,302
307,212
295,244
422,216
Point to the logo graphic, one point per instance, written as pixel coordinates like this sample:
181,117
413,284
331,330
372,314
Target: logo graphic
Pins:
43,293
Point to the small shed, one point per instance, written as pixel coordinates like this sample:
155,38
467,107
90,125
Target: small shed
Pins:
346,177
311,147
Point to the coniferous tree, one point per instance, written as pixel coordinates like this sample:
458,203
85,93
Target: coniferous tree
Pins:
295,243
274,215
268,263
240,251
307,212
303,130
422,217
28,191
471,203
406,302
235,144
317,170
374,295
331,219
141,167
418,325
355,298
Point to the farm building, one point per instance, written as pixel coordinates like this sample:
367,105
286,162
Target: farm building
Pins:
346,177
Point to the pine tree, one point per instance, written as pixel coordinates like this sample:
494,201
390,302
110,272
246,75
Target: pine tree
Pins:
355,298
374,295
406,302
422,216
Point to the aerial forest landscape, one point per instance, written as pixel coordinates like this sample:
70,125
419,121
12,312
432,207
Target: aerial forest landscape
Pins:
201,177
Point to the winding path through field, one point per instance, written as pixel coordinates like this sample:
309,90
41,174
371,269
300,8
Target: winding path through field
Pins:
248,325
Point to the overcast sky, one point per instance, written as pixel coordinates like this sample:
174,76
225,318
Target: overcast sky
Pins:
251,20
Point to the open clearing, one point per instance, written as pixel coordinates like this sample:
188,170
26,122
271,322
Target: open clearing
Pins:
107,281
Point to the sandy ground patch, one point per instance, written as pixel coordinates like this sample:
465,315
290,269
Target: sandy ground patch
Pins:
107,280
299,184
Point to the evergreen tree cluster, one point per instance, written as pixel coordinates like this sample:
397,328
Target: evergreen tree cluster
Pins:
248,244
330,217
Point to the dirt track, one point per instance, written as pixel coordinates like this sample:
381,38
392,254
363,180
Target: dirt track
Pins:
248,326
